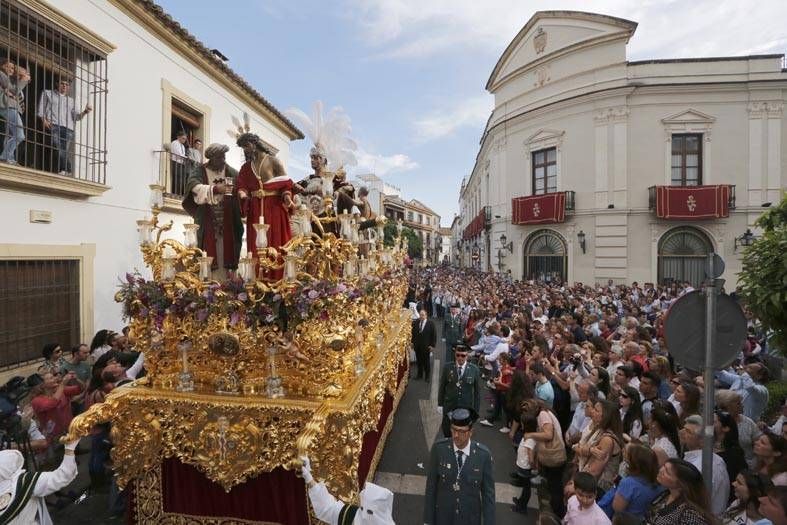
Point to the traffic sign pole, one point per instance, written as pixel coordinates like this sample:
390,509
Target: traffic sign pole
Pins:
708,377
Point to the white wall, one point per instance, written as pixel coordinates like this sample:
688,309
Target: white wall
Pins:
134,130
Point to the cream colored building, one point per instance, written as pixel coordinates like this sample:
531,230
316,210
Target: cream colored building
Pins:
422,219
574,117
69,233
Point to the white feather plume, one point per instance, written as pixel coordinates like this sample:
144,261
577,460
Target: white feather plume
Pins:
331,131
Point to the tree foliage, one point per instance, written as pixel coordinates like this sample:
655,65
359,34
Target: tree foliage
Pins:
764,274
415,247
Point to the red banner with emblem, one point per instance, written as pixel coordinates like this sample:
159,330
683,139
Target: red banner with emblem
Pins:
539,209
693,202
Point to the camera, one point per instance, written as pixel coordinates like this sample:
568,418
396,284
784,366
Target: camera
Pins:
575,360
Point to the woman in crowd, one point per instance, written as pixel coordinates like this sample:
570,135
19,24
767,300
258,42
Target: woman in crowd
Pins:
630,413
600,377
770,452
686,501
748,432
53,359
688,395
636,491
551,452
727,445
748,487
100,344
659,364
604,455
663,434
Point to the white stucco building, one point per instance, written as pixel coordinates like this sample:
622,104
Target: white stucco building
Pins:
590,163
70,231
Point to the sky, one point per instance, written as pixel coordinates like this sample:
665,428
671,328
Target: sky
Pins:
410,74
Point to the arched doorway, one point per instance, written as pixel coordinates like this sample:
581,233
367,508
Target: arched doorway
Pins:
682,255
545,257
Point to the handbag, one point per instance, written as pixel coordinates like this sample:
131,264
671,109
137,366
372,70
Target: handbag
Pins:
552,453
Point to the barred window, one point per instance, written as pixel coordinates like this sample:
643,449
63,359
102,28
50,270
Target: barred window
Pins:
53,97
39,304
545,171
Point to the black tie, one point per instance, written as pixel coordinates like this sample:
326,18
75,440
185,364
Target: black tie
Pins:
459,459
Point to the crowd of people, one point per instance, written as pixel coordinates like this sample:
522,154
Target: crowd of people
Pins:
581,381
64,386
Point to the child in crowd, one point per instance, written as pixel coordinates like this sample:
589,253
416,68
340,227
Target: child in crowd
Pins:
526,463
581,508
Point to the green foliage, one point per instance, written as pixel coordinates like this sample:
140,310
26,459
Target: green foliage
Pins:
415,247
764,274
776,391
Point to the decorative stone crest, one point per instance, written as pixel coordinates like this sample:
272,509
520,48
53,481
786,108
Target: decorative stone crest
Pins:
536,210
540,41
691,203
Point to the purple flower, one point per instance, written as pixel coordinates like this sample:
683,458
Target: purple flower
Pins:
130,278
313,294
234,318
341,288
243,296
202,315
143,312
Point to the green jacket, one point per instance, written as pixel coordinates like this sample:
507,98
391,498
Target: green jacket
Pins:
453,330
455,393
474,501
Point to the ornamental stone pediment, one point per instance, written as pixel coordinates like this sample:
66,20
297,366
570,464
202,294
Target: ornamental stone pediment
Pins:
689,116
549,35
544,138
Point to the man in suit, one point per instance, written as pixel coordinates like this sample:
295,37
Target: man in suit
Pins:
424,341
460,386
453,332
460,487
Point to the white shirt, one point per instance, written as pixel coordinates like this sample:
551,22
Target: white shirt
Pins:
523,454
465,452
592,515
720,481
178,151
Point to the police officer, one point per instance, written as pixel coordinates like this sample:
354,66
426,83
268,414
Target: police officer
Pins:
453,332
460,487
460,386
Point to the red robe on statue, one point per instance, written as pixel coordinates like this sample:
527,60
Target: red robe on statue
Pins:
268,200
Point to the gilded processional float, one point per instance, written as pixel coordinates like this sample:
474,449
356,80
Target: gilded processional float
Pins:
247,374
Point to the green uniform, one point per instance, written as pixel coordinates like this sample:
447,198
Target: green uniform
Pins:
465,497
458,392
454,334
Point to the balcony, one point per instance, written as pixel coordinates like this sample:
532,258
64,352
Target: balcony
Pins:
692,202
173,172
547,208
478,224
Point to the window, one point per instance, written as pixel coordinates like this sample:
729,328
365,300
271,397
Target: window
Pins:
39,304
687,159
544,171
59,85
410,216
682,255
420,218
187,123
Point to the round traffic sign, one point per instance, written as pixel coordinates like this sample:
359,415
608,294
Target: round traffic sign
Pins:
684,330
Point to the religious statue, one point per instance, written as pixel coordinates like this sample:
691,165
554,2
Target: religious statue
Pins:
213,203
265,191
310,190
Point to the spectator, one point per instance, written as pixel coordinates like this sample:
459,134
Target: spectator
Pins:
748,487
771,461
195,152
58,114
773,506
581,508
551,452
588,395
649,386
177,163
78,364
749,382
691,439
688,397
13,81
663,434
100,344
544,390
51,401
748,432
727,445
605,453
630,413
637,490
778,425
525,463
53,359
686,501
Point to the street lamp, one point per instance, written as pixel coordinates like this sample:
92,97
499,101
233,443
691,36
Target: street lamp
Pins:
745,240
581,239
